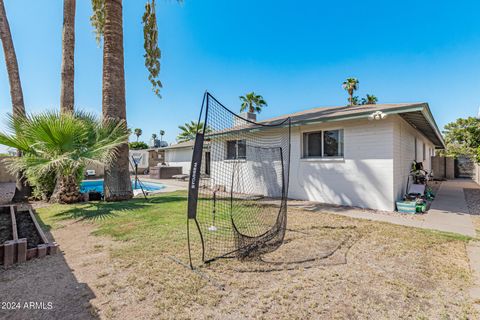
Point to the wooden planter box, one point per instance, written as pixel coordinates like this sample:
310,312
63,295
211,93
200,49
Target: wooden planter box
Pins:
28,239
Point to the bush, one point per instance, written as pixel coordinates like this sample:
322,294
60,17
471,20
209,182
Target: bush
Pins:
138,145
56,148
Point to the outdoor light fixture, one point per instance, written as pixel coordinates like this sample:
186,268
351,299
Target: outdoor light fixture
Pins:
377,115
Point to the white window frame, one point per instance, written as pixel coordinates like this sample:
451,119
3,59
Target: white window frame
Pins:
322,157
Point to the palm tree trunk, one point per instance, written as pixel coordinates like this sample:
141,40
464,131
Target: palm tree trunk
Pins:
22,189
68,57
117,185
66,190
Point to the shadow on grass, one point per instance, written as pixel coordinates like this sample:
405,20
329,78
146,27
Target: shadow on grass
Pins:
107,210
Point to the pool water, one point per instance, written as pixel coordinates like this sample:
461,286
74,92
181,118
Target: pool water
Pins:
97,185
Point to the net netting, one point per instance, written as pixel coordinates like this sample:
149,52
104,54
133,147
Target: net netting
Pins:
239,183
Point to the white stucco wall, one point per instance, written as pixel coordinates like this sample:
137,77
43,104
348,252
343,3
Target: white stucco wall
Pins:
362,178
404,153
260,173
372,174
180,157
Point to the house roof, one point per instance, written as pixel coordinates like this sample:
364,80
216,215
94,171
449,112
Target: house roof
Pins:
180,145
417,115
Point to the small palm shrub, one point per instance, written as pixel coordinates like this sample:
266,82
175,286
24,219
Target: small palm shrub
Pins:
56,148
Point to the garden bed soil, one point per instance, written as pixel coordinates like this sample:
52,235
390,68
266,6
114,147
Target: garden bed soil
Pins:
6,232
26,229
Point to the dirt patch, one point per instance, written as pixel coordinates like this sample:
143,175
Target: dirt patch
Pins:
5,225
26,229
388,272
67,280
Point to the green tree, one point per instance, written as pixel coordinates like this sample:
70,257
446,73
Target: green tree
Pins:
138,145
189,131
355,101
252,103
462,137
138,132
60,146
350,85
370,99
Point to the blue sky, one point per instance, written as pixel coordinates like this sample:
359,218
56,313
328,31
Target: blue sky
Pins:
296,54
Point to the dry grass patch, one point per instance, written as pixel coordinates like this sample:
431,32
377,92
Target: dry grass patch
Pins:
388,271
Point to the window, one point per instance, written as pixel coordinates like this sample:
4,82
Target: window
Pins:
328,143
415,149
236,149
312,144
424,153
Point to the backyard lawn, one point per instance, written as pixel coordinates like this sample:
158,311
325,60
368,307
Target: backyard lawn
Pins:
117,263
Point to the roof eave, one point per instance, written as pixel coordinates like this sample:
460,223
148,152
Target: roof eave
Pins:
428,115
361,115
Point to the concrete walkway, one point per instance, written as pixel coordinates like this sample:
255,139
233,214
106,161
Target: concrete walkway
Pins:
448,212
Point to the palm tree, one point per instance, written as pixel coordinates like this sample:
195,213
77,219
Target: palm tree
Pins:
351,85
162,133
107,22
252,102
67,96
154,136
370,99
16,93
117,184
189,131
355,101
60,146
138,132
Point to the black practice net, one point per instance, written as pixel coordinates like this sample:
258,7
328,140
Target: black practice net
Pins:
238,183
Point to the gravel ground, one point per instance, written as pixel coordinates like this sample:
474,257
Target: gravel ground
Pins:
472,196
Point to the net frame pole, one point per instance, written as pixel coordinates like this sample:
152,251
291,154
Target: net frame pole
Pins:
278,229
190,200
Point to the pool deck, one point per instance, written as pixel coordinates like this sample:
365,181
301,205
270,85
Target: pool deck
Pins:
170,184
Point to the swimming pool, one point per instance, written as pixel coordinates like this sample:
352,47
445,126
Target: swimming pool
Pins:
97,185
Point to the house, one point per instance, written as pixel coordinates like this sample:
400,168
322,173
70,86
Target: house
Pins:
145,158
180,155
350,155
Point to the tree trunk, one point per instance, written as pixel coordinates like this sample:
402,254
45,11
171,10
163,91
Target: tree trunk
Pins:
66,190
117,184
67,96
22,189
